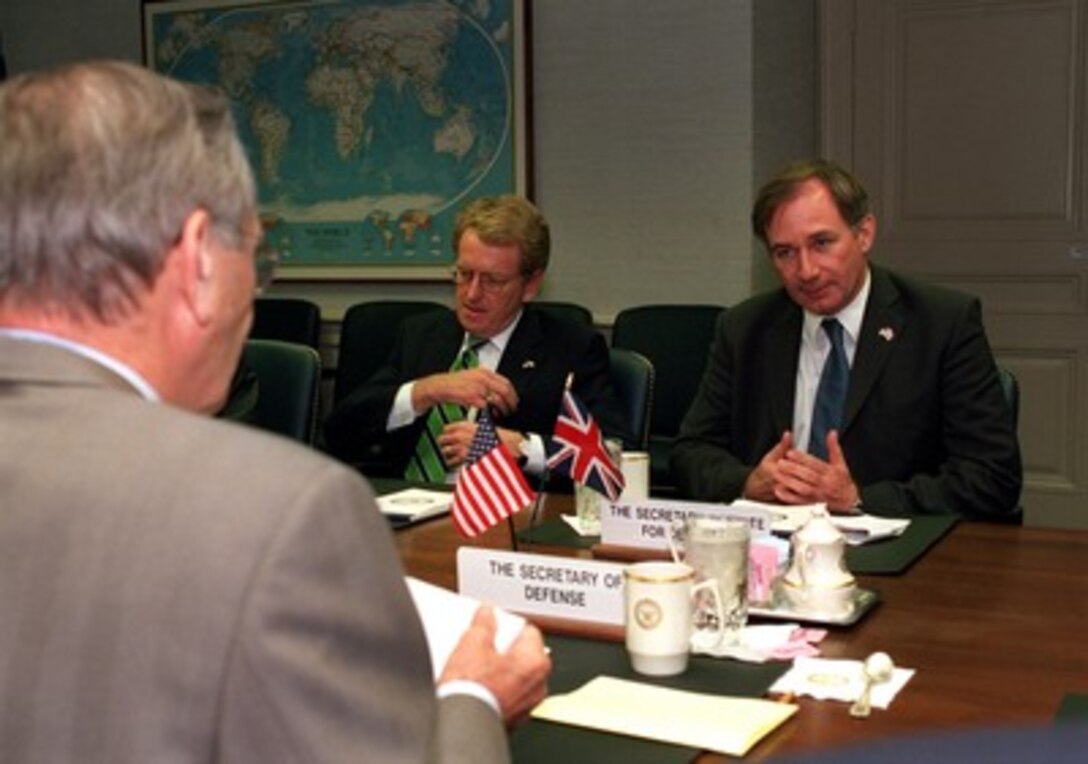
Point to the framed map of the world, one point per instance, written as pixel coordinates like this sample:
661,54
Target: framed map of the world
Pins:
369,123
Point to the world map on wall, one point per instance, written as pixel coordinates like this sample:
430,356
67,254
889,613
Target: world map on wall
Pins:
369,123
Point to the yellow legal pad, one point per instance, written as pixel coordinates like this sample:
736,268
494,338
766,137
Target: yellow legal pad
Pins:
711,722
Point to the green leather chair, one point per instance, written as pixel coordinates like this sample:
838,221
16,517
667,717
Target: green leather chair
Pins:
571,311
288,387
1010,386
676,339
367,335
288,319
632,377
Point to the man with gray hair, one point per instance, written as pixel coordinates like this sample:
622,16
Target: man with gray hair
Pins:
175,588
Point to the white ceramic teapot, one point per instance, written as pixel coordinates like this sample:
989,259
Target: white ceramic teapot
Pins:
818,579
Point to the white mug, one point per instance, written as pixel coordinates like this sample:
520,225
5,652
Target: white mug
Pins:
659,609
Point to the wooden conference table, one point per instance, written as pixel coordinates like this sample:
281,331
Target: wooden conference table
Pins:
993,618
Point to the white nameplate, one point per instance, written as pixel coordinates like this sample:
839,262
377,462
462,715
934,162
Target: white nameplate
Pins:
538,584
647,523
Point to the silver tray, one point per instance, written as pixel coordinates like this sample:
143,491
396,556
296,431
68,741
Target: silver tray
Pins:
781,609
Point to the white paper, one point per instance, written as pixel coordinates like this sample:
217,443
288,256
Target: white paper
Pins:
711,722
415,503
446,616
830,679
785,518
575,524
859,528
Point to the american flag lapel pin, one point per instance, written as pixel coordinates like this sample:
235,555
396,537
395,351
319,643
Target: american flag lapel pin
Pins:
887,333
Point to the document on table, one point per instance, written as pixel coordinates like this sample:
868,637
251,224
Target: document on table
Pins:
446,615
720,723
413,505
858,528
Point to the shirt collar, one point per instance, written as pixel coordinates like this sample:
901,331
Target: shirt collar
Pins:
500,340
850,317
127,373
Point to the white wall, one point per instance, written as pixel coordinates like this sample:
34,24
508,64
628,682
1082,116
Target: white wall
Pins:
653,122
643,116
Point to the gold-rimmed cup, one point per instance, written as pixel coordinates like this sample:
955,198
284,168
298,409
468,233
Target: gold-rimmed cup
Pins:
659,608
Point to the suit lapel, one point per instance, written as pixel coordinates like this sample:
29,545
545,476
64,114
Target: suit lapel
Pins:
521,358
783,348
441,348
882,325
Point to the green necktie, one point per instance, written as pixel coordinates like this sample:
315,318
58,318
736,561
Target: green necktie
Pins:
427,464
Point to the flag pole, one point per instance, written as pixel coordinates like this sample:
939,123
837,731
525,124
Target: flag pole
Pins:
513,533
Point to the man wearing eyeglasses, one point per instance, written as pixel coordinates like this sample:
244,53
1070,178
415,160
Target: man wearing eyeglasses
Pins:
175,588
493,350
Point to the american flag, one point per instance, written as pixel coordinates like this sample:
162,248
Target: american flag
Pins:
490,487
577,450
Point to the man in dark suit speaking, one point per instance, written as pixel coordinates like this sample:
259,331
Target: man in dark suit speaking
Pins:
172,587
851,385
493,350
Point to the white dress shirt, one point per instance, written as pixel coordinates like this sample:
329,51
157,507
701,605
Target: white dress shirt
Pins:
815,347
489,355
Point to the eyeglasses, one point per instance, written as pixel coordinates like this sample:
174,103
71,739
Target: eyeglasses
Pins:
265,260
487,281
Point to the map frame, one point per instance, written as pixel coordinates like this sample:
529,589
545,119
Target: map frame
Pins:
520,130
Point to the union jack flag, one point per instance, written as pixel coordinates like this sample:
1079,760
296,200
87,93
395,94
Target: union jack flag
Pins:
577,450
490,487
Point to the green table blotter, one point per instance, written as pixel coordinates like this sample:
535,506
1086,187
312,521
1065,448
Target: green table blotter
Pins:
576,661
1073,709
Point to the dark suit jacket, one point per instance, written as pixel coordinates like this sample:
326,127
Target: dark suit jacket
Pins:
926,429
173,588
542,351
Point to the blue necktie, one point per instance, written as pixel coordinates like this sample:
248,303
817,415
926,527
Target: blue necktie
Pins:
831,392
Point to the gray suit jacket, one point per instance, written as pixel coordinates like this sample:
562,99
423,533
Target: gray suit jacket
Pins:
926,427
178,589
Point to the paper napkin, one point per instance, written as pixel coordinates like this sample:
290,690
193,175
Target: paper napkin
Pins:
765,642
827,679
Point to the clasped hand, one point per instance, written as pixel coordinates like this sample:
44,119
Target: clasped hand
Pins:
476,388
787,475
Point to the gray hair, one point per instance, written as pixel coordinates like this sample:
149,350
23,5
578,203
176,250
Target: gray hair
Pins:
100,165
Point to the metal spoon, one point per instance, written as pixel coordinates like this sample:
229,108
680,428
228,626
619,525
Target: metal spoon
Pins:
878,668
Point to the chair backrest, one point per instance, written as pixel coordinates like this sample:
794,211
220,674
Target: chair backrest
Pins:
288,386
367,336
570,311
632,377
676,339
288,319
1010,386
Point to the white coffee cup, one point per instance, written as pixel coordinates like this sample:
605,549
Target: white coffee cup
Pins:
659,608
